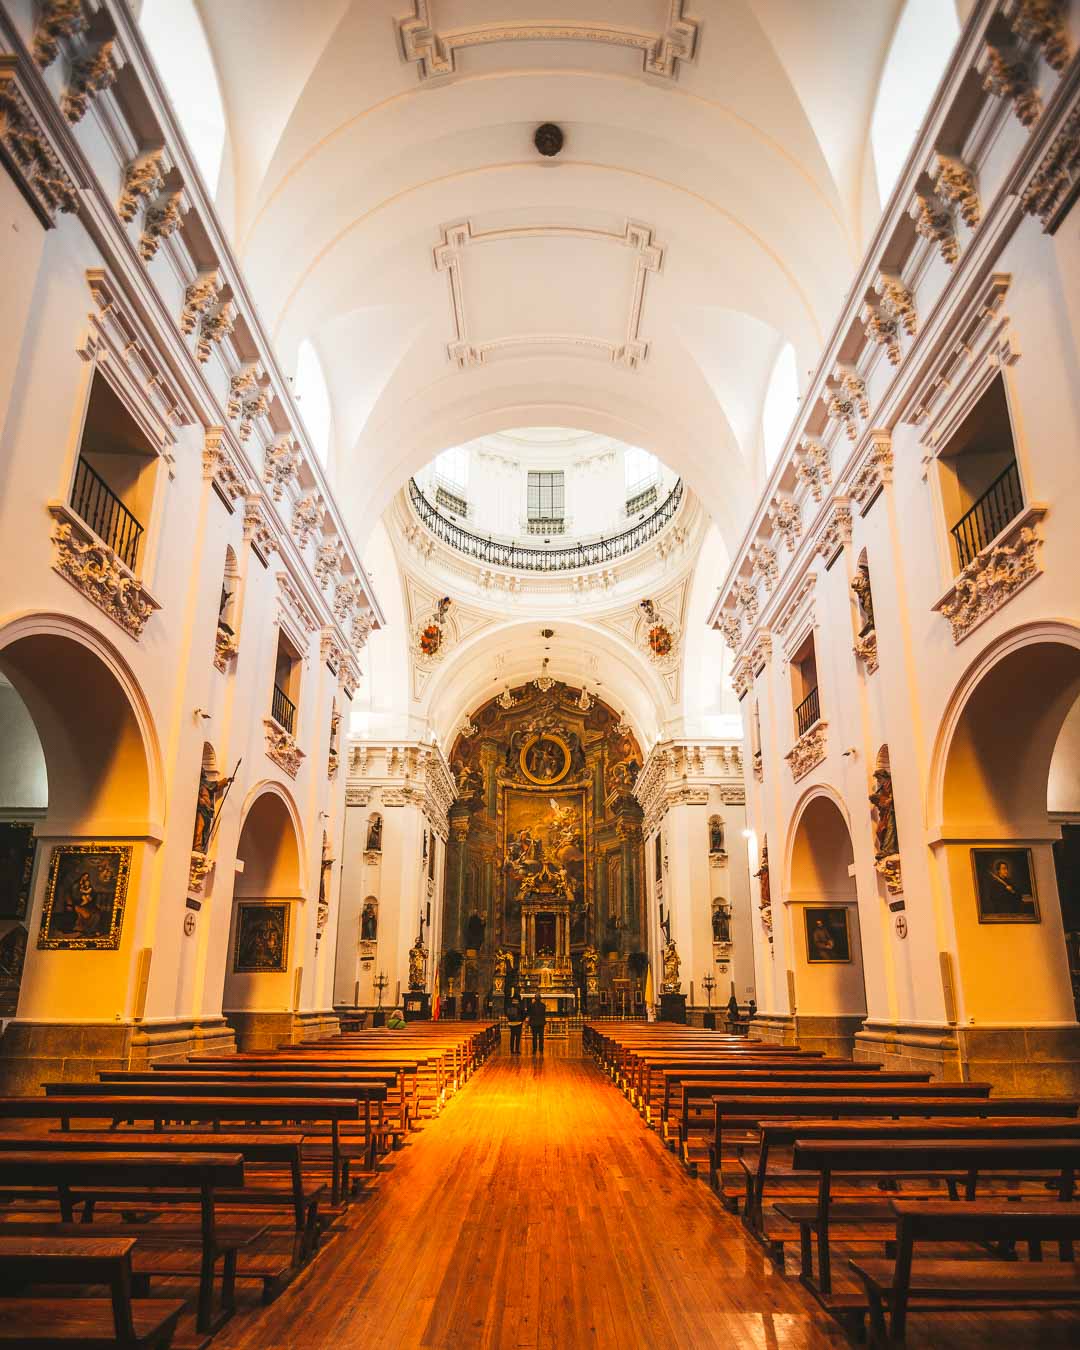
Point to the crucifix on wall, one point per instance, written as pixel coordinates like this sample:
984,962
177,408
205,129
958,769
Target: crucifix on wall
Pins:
665,924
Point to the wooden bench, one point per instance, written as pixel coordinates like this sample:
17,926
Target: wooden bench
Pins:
968,1285
879,1159
214,1111
744,1110
89,1323
73,1174
284,1188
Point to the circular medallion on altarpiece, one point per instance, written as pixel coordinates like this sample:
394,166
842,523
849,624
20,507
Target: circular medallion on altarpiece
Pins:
545,759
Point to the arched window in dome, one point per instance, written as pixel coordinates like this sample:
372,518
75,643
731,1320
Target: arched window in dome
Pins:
781,404
177,41
313,397
922,44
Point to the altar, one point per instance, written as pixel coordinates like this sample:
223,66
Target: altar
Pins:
546,965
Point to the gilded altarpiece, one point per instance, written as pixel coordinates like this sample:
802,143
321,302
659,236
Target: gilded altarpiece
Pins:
545,866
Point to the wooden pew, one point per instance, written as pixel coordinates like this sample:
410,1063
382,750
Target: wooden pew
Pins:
283,1152
878,1159
749,1110
71,1174
214,1111
119,1320
960,1284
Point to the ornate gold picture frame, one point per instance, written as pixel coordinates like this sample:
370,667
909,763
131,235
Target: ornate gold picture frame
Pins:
84,897
545,758
262,938
828,935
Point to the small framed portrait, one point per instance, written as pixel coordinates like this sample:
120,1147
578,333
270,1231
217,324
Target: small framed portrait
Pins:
1005,885
84,897
17,845
828,935
545,758
262,938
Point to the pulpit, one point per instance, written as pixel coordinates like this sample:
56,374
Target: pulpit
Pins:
546,966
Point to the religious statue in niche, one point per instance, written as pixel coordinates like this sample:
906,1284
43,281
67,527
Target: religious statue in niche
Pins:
886,840
418,958
861,586
765,892
374,834
369,922
84,898
716,835
325,868
332,757
212,790
672,983
721,922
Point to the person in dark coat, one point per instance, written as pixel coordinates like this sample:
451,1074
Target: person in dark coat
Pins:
537,1016
515,1016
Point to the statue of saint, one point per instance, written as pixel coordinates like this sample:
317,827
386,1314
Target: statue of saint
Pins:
211,789
590,961
374,834
886,842
369,923
671,969
861,586
721,925
418,955
716,835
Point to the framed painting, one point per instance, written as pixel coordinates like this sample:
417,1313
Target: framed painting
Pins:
17,847
12,959
828,935
84,897
1005,885
262,938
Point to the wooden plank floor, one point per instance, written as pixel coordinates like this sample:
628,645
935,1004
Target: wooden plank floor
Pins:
538,1211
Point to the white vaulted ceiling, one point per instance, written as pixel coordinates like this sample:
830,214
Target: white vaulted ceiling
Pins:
709,205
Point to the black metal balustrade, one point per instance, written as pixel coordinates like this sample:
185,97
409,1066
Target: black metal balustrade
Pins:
808,712
283,710
95,502
1001,502
522,559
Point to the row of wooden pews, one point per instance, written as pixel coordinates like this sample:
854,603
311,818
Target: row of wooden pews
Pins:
214,1173
896,1193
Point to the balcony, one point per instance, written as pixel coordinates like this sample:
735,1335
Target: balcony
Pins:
283,710
95,503
808,712
1001,503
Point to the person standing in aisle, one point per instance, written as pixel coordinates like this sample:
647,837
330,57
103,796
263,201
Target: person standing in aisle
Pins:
515,1016
537,1019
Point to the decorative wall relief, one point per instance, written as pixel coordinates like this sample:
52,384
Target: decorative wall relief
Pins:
96,570
282,748
993,577
85,896
658,634
808,751
431,633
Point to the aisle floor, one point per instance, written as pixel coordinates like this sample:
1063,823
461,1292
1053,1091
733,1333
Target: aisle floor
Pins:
538,1211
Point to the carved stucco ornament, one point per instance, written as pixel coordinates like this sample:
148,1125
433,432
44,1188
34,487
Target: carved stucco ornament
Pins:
808,751
1052,186
95,570
282,748
91,75
144,178
31,153
992,578
57,19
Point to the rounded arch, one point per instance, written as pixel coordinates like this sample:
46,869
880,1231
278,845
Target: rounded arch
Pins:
987,760
806,817
105,772
271,844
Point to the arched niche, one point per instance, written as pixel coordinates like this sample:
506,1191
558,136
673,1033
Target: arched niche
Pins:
79,762
825,943
267,921
1007,745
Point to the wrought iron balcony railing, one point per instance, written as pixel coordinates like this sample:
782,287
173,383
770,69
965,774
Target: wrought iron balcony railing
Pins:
808,712
1001,502
518,557
95,502
283,710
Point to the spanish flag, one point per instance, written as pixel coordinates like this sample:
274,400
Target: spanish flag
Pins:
649,994
435,1000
